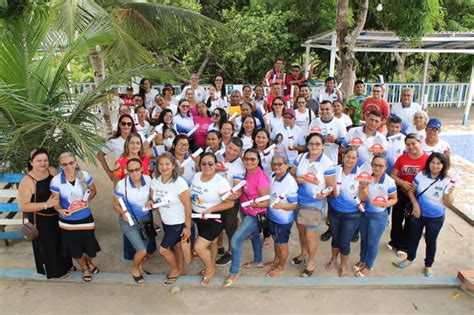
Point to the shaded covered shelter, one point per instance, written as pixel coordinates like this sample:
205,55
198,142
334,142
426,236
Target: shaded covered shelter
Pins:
383,42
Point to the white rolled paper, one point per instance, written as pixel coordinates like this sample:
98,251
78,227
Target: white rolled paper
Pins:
159,128
192,157
157,205
339,86
453,180
288,104
290,136
326,190
233,116
266,81
126,213
150,138
381,79
269,149
205,215
292,91
274,78
424,101
308,69
259,199
193,130
234,189
320,97
360,204
86,195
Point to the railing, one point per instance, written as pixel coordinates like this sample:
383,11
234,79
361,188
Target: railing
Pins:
439,94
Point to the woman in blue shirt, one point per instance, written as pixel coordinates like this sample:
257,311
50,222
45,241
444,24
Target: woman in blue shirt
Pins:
433,194
378,194
343,211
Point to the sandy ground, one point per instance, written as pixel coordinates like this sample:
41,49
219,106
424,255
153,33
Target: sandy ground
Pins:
455,252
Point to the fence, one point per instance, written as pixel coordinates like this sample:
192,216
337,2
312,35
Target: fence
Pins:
439,94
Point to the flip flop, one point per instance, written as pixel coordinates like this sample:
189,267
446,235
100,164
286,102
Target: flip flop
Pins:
307,273
297,261
207,279
252,264
170,280
94,270
139,279
229,282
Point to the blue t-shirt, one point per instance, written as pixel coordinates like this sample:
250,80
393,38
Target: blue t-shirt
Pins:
431,201
384,188
348,188
288,187
135,198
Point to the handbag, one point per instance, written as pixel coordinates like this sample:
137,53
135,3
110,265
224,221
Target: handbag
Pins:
262,219
309,217
29,230
147,230
408,210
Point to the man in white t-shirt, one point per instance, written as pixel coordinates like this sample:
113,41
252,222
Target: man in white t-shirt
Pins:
332,129
293,136
199,92
396,141
432,143
330,93
406,109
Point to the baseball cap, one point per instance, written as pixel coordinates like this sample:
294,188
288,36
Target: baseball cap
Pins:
129,88
435,123
289,111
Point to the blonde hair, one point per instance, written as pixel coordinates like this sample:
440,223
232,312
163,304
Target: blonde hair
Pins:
79,176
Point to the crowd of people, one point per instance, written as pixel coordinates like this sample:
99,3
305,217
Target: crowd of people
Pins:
204,166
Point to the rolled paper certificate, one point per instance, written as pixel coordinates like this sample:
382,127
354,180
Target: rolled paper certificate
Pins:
326,190
292,91
126,213
381,79
205,216
225,100
151,137
135,118
453,180
290,136
269,149
338,180
159,128
266,81
308,69
394,137
279,198
259,199
261,108
192,157
339,86
233,116
288,104
320,97
234,189
157,205
86,195
274,78
360,204
266,118
193,130
424,101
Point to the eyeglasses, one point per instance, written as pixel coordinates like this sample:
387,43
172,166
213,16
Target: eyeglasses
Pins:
248,159
378,165
376,91
134,170
125,123
313,144
70,164
277,164
135,142
185,106
209,164
180,144
277,104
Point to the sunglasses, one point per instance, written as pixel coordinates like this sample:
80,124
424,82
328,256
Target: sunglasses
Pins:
70,164
210,164
277,164
277,104
123,124
378,165
134,170
248,159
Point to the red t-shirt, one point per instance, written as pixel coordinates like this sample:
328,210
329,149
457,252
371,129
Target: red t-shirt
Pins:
121,165
201,132
408,167
290,78
381,105
270,99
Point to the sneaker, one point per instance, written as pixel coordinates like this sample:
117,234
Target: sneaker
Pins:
355,237
224,260
402,254
326,236
221,251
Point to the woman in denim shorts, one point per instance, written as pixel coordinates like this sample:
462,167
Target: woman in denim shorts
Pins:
133,191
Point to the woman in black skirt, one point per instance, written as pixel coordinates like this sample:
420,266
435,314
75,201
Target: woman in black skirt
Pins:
75,189
34,199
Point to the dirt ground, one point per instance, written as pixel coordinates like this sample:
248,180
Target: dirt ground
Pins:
455,252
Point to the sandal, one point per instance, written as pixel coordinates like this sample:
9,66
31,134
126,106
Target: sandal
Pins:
360,273
86,277
428,272
170,280
207,279
139,279
403,264
228,282
274,273
94,270
252,264
307,273
297,261
358,267
331,265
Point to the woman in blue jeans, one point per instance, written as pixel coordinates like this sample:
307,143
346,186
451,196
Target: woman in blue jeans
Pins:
257,186
434,193
378,194
343,211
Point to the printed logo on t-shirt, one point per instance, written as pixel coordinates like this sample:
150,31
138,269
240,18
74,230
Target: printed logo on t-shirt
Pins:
371,107
410,169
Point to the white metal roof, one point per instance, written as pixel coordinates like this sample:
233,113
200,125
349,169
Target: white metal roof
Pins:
380,41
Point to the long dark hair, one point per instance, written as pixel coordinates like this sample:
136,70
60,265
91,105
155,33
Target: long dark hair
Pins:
222,116
175,142
252,150
172,159
255,136
161,118
141,89
223,93
118,133
33,154
442,158
242,130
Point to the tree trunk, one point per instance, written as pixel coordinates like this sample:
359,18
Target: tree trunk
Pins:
96,62
346,39
400,65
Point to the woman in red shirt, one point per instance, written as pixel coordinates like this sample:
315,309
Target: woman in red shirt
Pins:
202,119
406,167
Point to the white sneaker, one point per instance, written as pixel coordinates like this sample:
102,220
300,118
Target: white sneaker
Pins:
401,254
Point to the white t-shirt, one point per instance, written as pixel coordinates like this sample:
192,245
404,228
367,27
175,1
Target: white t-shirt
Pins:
205,195
135,198
395,148
334,127
173,212
183,124
275,122
440,147
364,150
247,141
143,130
199,93
346,120
303,120
150,99
412,129
297,137
235,170
406,114
218,103
114,146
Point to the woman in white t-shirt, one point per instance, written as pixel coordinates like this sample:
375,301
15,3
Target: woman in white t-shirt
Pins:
207,189
148,93
275,118
338,107
304,116
420,119
142,125
167,186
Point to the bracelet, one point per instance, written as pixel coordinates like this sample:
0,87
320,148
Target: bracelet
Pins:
45,206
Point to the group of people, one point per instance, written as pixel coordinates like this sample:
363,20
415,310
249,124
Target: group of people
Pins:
250,165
